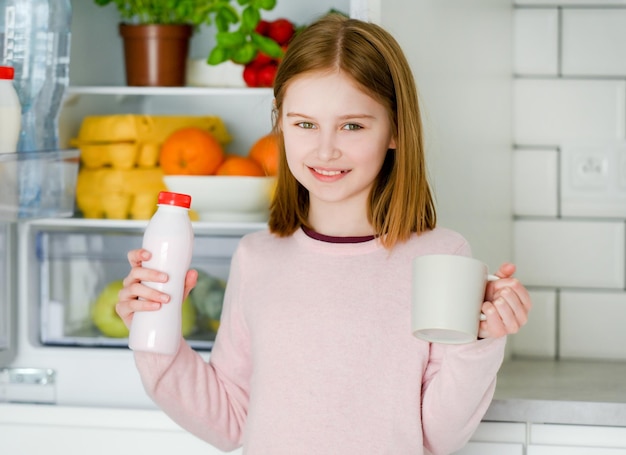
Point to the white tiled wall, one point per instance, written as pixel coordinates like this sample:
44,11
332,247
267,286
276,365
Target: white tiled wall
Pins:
535,182
539,337
535,41
570,253
549,111
593,325
569,179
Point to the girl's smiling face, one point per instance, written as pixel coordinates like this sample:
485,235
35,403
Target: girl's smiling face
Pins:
336,139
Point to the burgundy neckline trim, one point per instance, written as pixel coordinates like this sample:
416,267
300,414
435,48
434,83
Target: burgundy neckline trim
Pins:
332,239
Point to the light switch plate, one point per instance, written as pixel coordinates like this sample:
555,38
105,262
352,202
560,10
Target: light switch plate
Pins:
593,180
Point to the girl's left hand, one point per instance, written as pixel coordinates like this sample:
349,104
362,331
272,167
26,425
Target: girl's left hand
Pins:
506,305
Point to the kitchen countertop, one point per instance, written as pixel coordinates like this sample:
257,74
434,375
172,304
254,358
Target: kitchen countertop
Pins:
561,392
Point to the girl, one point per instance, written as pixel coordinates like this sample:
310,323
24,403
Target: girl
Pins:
315,354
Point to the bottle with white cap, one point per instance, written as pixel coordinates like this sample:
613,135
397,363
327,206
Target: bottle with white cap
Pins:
169,237
10,111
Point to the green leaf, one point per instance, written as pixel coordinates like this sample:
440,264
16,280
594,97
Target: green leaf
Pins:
264,4
249,19
230,39
229,14
267,45
221,24
244,54
218,55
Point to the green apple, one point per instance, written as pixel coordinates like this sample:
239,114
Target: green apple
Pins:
189,317
106,319
103,312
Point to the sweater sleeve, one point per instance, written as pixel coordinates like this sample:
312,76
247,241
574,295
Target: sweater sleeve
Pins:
208,399
457,388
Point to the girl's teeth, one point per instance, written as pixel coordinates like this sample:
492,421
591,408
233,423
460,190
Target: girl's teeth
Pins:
324,172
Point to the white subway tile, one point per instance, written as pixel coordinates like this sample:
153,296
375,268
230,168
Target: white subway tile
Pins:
551,111
592,325
570,253
538,337
535,41
535,182
594,42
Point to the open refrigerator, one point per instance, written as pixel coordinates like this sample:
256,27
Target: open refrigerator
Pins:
54,266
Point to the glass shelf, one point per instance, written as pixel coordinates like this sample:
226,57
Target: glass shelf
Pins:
112,225
165,91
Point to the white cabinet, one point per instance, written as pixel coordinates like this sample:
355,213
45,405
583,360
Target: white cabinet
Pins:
496,438
491,448
569,450
547,439
517,438
58,430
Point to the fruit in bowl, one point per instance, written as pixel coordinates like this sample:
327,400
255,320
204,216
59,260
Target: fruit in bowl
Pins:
223,186
225,197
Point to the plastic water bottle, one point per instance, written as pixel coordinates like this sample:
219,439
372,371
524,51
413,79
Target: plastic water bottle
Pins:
10,112
35,39
169,237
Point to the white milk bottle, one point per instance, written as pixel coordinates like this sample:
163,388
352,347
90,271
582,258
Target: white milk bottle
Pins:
10,111
169,237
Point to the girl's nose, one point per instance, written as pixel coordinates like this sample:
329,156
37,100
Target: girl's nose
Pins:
328,149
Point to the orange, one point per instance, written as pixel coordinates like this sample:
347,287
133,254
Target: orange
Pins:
240,165
265,152
190,151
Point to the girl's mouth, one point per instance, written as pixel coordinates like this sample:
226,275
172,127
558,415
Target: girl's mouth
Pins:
329,173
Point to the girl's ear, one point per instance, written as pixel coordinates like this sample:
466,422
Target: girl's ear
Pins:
275,120
392,143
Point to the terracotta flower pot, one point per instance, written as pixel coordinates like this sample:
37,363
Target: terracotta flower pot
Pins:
155,55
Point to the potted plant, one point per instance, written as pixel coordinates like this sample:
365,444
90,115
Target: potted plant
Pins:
156,35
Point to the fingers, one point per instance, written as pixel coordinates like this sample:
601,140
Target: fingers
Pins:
495,288
138,274
507,304
133,289
506,270
136,257
126,308
190,281
136,296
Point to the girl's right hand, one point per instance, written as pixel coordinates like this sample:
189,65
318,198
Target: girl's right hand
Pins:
136,296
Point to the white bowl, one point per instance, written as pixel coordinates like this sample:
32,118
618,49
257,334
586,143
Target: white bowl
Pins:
225,198
201,74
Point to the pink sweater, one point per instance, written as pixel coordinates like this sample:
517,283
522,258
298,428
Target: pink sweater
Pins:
315,356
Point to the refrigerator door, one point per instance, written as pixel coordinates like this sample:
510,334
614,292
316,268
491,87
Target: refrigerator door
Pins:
7,292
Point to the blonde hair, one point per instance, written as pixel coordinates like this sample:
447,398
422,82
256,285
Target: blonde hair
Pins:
401,201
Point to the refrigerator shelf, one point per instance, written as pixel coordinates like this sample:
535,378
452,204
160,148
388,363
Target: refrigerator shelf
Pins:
38,184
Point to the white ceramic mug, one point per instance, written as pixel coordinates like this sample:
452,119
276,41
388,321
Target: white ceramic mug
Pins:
447,294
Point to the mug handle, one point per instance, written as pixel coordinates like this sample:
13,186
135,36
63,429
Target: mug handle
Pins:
483,316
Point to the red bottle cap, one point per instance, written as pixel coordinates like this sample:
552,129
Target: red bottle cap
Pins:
177,199
7,72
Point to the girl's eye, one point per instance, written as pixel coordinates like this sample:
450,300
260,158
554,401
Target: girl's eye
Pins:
306,125
352,127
